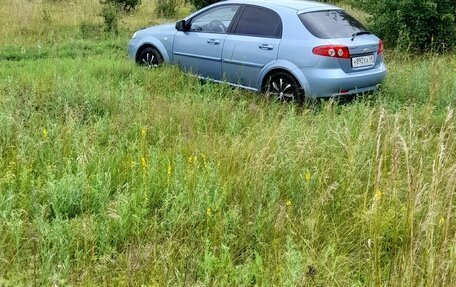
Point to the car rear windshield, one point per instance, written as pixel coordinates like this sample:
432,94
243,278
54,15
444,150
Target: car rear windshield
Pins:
331,24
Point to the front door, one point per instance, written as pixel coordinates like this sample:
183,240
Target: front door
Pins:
199,50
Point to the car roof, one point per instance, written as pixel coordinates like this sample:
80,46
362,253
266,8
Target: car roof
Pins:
291,4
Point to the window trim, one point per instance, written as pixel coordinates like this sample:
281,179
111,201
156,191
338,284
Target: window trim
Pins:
229,28
278,32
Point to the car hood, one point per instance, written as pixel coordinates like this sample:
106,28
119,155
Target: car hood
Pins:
160,28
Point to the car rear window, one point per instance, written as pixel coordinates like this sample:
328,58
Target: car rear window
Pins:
331,24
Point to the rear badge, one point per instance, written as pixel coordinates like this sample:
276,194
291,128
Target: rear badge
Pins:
366,50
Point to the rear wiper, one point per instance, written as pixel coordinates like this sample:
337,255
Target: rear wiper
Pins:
360,33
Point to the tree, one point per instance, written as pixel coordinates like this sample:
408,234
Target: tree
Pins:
418,24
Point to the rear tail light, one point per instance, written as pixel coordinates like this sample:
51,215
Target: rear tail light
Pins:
333,51
380,47
344,91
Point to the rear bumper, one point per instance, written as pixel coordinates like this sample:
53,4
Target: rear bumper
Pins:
335,82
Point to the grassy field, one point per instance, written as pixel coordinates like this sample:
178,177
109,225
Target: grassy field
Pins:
115,175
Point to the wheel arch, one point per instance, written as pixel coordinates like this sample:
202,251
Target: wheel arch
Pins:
287,67
155,43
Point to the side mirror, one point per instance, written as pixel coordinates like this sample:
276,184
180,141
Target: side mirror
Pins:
180,25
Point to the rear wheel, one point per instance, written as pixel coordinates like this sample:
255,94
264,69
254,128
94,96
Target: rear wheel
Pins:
283,87
150,57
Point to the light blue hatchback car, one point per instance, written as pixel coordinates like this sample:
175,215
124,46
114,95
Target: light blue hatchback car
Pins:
287,49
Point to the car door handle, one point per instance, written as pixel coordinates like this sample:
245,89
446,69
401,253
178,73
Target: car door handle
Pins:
266,47
213,42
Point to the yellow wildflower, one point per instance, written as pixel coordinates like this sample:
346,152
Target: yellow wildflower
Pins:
143,163
307,176
190,159
209,211
169,172
441,221
143,132
44,133
288,203
204,159
378,196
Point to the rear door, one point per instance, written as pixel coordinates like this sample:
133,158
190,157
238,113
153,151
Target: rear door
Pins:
253,44
199,50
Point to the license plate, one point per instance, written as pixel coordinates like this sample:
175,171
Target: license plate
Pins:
364,61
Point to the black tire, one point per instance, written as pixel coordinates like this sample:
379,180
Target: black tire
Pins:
283,87
150,57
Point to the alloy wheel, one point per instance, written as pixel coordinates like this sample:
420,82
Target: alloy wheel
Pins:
283,88
150,58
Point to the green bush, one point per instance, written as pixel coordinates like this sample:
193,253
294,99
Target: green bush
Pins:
202,3
111,12
417,24
89,30
111,15
126,5
167,8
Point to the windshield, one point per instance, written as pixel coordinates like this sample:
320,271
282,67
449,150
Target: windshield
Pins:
331,24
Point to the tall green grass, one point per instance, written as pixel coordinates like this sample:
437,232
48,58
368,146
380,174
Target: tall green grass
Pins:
113,174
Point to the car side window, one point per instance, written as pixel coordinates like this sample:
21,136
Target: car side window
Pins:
257,21
216,20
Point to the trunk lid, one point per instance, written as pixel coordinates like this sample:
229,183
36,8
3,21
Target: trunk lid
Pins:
363,53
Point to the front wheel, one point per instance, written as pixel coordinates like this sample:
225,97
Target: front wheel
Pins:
283,87
150,58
